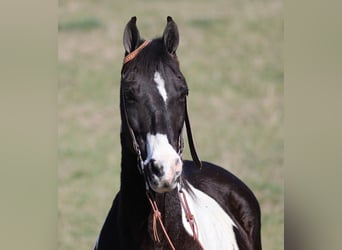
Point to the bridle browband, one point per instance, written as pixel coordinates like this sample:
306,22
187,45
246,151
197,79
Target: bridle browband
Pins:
135,52
156,213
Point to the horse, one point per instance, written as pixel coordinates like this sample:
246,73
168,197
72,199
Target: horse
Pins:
165,202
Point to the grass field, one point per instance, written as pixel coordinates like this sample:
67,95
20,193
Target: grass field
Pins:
231,55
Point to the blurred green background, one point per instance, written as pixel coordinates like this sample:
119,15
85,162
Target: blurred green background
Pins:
231,55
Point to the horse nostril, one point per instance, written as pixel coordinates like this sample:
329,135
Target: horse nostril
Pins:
157,169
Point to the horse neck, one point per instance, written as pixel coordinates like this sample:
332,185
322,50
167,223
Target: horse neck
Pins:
132,182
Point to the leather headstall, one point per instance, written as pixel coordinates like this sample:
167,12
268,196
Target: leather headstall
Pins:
136,148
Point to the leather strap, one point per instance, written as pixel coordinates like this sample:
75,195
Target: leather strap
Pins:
157,218
135,144
135,52
193,152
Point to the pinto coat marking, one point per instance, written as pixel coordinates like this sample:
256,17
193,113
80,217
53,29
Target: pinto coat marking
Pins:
215,227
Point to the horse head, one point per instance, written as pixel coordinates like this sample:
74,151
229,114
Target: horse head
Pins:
153,104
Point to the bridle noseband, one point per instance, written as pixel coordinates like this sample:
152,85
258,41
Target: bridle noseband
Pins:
184,204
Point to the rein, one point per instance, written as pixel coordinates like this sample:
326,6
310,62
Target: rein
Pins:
182,198
190,218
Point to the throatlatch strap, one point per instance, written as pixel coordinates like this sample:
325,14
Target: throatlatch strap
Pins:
193,152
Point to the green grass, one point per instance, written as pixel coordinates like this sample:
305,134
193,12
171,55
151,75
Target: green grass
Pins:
81,24
231,55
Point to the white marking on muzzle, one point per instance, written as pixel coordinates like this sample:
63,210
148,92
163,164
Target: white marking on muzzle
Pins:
215,227
160,85
160,150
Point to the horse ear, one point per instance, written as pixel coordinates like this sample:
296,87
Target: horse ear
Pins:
171,36
131,36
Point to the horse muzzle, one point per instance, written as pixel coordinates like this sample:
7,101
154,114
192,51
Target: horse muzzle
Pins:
163,166
163,176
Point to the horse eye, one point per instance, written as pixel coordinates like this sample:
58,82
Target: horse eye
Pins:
184,92
130,95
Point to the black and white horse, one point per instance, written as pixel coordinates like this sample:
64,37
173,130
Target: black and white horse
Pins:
165,202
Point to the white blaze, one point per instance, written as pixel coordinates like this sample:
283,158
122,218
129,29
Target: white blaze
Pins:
215,227
160,85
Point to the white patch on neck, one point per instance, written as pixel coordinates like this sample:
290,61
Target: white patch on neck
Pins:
215,227
160,85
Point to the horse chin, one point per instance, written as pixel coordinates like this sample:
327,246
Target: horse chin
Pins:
162,190
160,187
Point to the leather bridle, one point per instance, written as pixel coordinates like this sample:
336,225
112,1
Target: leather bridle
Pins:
193,152
184,204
